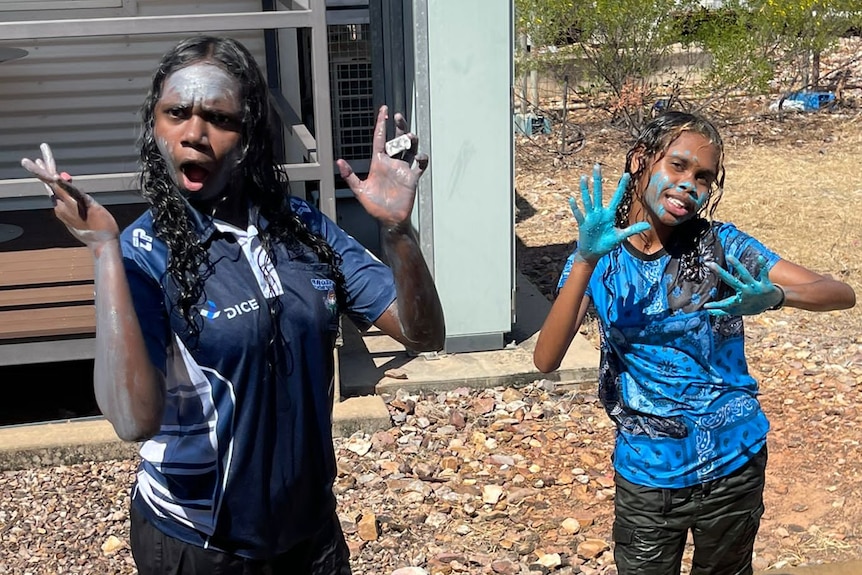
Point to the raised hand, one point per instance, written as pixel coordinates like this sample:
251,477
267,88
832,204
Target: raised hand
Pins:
597,231
389,191
753,295
85,218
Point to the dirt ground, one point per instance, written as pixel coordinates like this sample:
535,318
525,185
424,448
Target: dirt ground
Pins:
514,481
796,185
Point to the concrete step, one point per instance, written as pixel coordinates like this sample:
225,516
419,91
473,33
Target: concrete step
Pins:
61,443
93,439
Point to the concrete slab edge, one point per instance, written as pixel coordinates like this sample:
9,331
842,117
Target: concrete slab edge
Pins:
366,414
844,568
12,459
75,442
582,379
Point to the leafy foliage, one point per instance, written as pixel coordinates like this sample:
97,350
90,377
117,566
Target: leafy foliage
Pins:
751,40
623,47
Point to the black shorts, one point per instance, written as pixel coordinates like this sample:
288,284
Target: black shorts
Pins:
651,525
155,553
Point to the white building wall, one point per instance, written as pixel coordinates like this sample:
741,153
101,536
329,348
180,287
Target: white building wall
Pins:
82,95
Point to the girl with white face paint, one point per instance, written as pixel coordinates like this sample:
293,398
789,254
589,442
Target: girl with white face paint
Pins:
217,313
197,130
670,288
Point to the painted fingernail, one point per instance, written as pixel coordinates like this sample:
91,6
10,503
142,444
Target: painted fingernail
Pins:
66,176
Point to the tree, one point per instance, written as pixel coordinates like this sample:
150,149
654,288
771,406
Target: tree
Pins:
623,44
761,44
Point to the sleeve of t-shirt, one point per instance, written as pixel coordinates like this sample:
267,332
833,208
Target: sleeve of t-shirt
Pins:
746,249
369,283
567,269
147,297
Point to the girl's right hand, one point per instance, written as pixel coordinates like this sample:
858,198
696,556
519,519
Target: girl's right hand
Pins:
597,232
83,216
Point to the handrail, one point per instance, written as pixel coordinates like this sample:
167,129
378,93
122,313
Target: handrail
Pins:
127,181
299,14
134,25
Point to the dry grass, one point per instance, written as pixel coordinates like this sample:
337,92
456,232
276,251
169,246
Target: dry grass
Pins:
818,540
802,198
794,184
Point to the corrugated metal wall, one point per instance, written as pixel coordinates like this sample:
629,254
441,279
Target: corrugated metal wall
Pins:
82,95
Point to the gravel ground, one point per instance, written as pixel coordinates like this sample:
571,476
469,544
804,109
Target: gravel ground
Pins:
505,481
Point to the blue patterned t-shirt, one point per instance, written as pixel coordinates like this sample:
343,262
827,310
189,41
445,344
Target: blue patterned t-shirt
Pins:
673,378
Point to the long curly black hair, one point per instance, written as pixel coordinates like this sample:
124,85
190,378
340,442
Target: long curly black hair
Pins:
260,177
652,143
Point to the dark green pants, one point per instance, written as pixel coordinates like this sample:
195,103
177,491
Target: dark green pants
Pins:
651,525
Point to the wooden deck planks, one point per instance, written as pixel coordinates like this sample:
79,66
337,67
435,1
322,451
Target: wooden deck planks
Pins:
46,293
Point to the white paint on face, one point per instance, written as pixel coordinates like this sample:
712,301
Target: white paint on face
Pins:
203,83
198,128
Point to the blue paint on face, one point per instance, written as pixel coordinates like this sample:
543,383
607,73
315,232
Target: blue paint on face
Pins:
680,180
658,182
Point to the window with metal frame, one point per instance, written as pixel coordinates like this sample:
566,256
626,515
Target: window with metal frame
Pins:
351,87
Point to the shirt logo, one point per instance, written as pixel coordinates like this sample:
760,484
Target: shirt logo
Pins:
322,284
331,302
141,240
300,208
212,312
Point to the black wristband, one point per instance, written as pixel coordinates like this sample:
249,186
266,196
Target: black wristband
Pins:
780,303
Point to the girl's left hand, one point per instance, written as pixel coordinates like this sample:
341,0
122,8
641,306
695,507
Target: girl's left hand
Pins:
389,191
753,296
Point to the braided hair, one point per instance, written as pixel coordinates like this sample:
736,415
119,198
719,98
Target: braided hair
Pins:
261,179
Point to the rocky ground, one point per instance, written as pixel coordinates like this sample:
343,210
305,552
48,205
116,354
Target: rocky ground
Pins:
519,481
506,481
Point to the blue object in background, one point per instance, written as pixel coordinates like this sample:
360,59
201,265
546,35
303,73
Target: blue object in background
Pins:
812,101
659,106
531,124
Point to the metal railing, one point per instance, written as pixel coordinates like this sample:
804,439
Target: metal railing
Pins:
309,14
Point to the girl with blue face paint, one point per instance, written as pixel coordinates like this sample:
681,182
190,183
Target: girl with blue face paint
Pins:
670,286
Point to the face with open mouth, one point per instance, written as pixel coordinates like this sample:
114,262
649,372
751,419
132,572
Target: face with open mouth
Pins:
198,129
680,180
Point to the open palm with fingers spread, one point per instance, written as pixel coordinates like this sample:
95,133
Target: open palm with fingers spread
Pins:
389,191
597,231
85,218
753,295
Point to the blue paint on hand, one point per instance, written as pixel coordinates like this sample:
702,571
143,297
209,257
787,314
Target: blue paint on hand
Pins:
597,233
753,295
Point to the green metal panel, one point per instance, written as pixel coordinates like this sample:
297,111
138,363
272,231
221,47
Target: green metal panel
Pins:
469,80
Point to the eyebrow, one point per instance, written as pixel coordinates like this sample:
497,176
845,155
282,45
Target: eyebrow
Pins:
221,105
688,159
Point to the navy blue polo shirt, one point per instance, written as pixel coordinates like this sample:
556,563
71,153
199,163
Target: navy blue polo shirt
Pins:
244,460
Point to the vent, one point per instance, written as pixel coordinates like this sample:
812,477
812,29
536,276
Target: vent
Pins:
351,87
